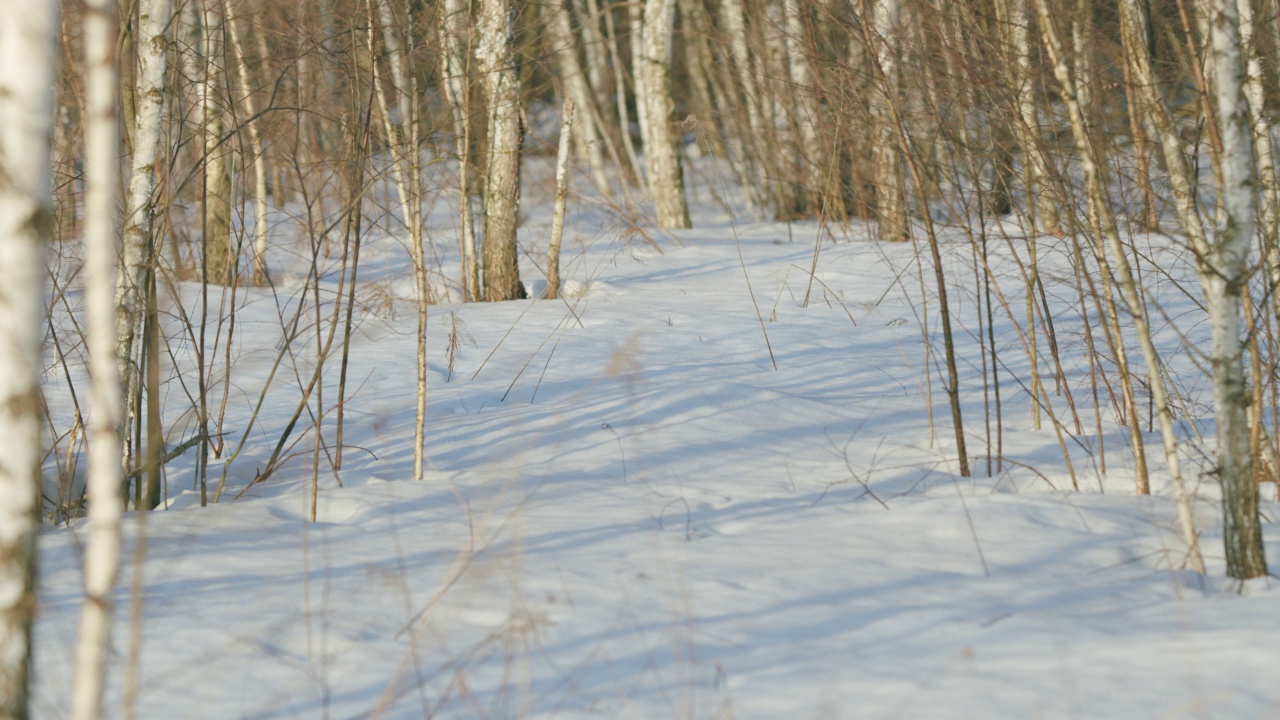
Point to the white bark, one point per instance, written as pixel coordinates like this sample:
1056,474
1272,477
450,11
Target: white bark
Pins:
102,552
1040,200
220,261
891,192
1223,286
562,201
502,173
733,22
255,141
1268,182
402,135
665,178
808,115
589,136
152,50
593,44
28,40
454,20
635,19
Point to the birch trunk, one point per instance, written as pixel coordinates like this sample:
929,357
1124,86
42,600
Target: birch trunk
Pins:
506,134
1268,182
890,182
454,20
635,25
562,200
1041,204
28,42
102,551
662,162
136,251
808,112
402,135
588,135
1223,286
255,141
220,261
754,145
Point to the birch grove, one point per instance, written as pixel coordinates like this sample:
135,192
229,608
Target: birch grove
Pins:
1087,193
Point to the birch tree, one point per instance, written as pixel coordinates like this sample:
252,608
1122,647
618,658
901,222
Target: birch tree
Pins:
588,137
497,55
28,42
219,258
454,19
1226,279
807,109
136,251
102,553
890,180
662,163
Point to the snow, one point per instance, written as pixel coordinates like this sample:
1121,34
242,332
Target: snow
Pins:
630,513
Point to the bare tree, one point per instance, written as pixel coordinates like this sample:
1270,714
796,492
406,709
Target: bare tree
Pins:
665,177
454,59
506,135
135,256
1226,279
892,218
102,553
28,43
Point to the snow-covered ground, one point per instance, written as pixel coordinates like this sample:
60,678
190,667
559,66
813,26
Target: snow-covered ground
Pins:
681,493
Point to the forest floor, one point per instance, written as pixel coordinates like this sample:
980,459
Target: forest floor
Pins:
682,493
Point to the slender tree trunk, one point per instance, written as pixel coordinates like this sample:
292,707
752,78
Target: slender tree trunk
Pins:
734,24
808,111
219,258
506,135
454,20
28,42
1223,286
102,552
403,135
892,220
662,161
1268,181
255,142
136,252
562,199
565,46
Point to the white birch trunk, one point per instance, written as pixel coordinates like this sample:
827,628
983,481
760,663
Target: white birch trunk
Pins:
152,49
808,113
28,42
597,57
1223,286
635,19
220,261
733,22
102,551
506,134
454,21
590,148
1268,183
255,141
562,201
402,136
665,177
890,181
